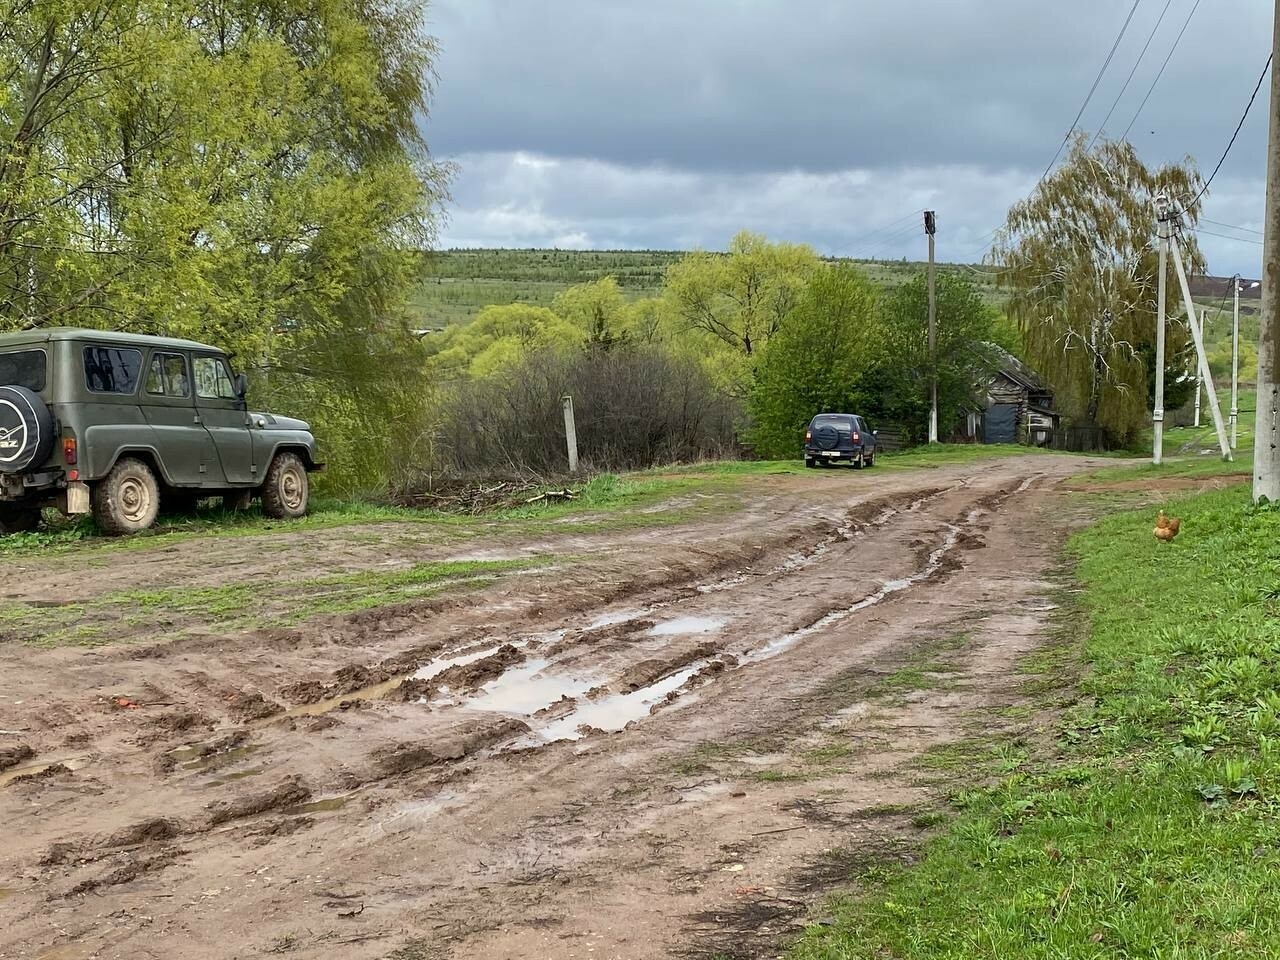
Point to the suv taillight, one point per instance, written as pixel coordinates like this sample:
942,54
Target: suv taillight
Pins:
808,435
69,450
856,437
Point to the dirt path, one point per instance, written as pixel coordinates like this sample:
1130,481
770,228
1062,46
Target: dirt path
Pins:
674,748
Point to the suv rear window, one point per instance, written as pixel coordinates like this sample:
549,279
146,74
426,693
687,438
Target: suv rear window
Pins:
23,368
112,370
840,423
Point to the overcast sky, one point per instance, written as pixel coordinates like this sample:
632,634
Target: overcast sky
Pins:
675,123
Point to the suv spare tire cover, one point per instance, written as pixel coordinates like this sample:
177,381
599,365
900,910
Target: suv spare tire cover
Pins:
827,436
26,430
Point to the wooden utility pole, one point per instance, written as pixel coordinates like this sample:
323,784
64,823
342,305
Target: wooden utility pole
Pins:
1266,441
1157,412
930,228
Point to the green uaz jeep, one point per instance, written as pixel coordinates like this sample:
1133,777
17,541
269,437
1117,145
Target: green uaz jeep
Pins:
119,424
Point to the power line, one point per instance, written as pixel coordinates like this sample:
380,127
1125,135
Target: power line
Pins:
1129,79
1096,80
1223,236
868,234
1160,74
1230,143
1230,226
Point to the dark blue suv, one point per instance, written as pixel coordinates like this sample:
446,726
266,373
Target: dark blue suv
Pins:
836,437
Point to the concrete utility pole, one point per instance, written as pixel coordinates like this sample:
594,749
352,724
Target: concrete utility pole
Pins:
570,433
1157,412
930,228
1235,361
1199,379
1206,377
1266,442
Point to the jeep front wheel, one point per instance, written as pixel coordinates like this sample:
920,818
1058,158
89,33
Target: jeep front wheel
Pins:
18,518
285,492
127,499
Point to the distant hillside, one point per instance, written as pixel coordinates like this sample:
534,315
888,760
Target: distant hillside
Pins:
460,283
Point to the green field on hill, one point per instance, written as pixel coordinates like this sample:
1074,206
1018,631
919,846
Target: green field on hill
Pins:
458,284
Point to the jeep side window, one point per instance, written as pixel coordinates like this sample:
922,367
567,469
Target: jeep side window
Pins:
213,380
23,368
168,376
112,370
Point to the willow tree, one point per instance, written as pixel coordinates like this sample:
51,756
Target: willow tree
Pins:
1079,261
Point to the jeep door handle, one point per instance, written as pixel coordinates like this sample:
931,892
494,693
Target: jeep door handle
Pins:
197,419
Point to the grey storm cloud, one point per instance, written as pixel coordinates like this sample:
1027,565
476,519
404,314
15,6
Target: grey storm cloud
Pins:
674,123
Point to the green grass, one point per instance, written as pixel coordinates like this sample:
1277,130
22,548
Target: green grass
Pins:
1152,828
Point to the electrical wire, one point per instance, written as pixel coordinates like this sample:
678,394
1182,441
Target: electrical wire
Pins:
1231,226
1160,74
1223,236
1093,89
1231,143
1129,79
869,234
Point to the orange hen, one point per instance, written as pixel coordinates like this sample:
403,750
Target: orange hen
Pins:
1167,527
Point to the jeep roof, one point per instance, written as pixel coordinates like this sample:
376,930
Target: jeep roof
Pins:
48,334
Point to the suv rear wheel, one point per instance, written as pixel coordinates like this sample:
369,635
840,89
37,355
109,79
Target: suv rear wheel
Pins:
18,518
127,499
285,492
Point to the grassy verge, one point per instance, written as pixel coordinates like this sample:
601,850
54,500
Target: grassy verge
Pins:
607,501
1154,831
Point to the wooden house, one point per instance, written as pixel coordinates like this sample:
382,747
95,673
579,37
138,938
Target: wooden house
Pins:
1017,406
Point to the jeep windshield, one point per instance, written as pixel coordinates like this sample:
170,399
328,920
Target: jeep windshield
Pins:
23,368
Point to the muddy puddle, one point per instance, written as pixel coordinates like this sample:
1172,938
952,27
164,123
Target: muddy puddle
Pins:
525,689
612,713
36,767
237,775
194,756
615,618
686,625
327,805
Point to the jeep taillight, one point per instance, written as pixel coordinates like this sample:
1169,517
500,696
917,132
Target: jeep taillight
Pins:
69,450
808,435
856,437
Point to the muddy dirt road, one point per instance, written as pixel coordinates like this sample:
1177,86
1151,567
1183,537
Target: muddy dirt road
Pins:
660,742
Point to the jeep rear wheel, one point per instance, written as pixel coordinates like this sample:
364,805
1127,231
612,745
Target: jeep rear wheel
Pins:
127,499
18,518
286,491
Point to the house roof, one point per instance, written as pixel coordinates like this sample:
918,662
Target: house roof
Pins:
1017,371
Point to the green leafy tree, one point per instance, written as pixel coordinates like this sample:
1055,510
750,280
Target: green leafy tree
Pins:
741,297
731,304
252,175
963,356
818,361
598,309
1080,266
498,337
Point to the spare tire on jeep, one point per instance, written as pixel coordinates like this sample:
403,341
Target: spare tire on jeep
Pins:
26,430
